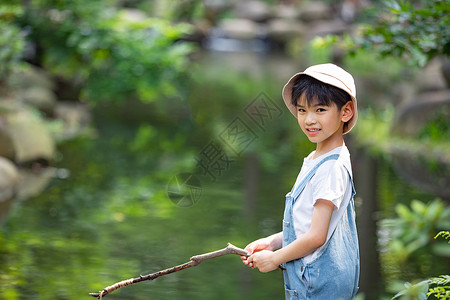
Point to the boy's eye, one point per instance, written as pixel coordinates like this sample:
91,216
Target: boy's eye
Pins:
301,110
321,110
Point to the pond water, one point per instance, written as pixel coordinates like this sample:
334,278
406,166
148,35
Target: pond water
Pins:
113,217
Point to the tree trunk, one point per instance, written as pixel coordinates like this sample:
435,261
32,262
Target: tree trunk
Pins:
365,170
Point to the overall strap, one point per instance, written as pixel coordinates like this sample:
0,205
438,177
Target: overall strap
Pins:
308,177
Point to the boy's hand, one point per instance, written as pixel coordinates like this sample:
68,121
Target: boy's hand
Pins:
263,260
271,243
253,247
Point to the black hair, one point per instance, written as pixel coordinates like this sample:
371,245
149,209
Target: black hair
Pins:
316,90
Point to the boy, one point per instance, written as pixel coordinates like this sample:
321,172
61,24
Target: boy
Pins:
318,246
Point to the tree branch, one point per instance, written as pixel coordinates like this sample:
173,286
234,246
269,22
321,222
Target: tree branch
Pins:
194,261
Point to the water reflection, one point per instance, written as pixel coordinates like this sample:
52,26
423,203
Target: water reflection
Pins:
112,218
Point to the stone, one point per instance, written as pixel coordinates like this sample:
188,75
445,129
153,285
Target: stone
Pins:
254,10
6,142
446,71
132,15
9,179
31,76
285,11
24,133
75,118
40,98
241,29
315,10
34,86
431,77
323,28
284,30
32,183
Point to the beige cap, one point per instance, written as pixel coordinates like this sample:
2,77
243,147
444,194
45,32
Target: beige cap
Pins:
330,74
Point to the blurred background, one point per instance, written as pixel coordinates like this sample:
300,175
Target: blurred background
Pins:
137,133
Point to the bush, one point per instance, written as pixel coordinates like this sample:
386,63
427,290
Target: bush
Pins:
104,51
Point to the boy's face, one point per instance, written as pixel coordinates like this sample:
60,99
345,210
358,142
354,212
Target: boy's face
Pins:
322,124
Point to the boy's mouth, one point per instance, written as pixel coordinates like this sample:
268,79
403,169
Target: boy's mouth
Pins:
312,131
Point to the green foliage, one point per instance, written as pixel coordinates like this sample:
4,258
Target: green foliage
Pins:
416,226
416,33
438,128
410,250
12,41
374,128
444,234
413,291
407,30
106,52
442,288
114,54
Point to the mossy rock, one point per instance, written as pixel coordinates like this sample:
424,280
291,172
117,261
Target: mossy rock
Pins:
9,179
23,134
33,183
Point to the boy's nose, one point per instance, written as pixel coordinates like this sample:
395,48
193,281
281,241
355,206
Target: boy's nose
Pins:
310,119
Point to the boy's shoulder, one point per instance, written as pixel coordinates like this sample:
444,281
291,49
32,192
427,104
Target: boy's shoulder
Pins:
341,164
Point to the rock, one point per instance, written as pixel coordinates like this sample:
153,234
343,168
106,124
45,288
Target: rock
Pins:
33,183
25,136
32,76
75,118
349,10
35,87
284,11
446,71
39,97
9,179
431,77
241,29
254,10
131,15
322,28
284,30
315,10
6,142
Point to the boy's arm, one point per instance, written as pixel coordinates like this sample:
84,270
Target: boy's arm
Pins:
315,237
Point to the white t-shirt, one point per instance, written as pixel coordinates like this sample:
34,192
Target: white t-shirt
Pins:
331,182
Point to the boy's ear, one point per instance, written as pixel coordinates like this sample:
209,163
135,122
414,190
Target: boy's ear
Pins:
347,111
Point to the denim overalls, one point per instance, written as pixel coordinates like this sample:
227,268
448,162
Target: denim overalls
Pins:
334,274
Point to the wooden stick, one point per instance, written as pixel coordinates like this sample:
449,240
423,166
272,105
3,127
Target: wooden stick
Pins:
194,261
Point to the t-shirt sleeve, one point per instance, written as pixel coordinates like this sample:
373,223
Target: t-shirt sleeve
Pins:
330,182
